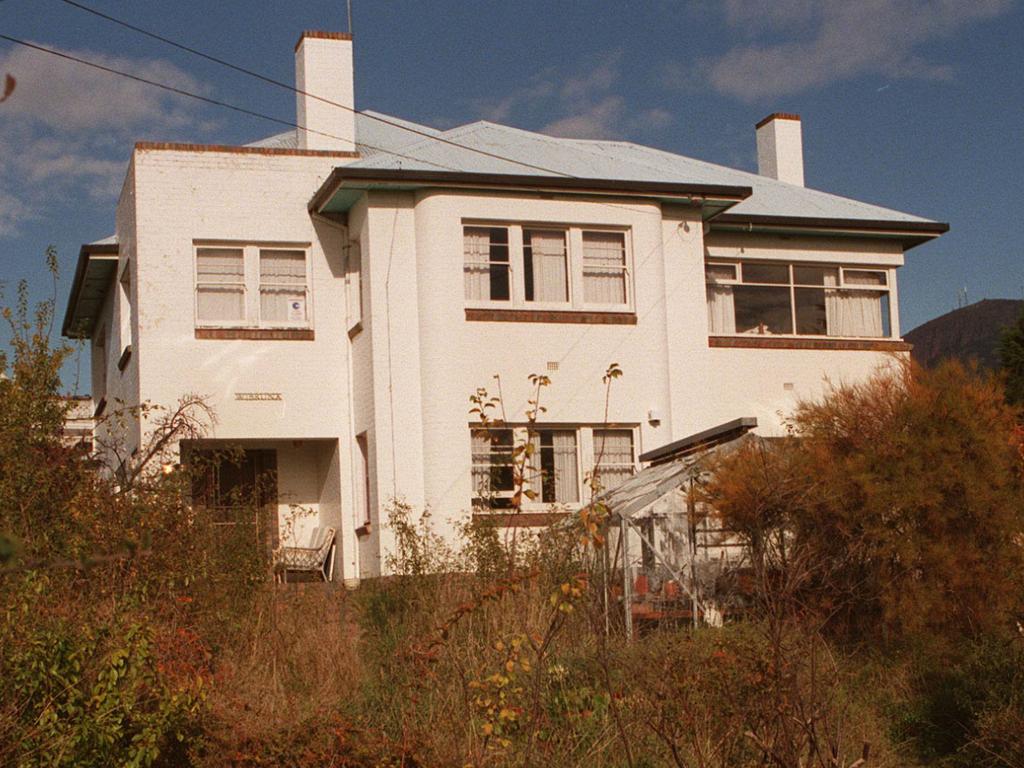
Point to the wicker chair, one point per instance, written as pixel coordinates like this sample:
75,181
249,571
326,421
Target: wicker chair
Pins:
317,556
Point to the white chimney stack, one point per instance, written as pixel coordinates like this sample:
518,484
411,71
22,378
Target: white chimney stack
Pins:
780,148
323,67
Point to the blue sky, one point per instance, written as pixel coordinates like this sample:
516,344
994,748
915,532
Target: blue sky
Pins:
916,105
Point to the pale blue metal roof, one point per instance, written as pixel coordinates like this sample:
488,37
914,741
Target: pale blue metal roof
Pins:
391,147
617,160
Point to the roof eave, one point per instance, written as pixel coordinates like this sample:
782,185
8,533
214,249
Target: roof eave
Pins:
363,178
910,233
84,254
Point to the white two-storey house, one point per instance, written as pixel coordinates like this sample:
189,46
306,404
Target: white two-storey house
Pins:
338,292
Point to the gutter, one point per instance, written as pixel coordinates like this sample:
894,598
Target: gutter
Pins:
911,232
110,249
342,174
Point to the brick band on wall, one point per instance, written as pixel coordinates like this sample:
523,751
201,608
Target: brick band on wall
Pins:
550,316
769,342
256,334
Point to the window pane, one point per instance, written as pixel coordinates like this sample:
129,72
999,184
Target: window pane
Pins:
857,313
283,286
811,318
283,267
492,462
604,267
815,275
721,309
220,265
863,277
765,273
486,267
215,303
613,456
544,271
762,310
555,456
718,272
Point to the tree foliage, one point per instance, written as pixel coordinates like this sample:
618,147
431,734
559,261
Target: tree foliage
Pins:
901,497
1011,360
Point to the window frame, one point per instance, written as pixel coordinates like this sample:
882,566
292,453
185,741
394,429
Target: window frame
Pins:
252,285
198,285
261,323
474,430
574,267
888,288
124,308
627,272
586,458
597,451
364,512
510,265
353,287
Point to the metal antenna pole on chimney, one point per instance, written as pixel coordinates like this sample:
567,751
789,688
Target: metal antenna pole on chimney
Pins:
349,4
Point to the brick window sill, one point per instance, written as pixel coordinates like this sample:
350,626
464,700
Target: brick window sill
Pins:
258,334
550,316
778,342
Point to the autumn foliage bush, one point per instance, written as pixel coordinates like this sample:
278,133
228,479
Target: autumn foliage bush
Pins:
885,544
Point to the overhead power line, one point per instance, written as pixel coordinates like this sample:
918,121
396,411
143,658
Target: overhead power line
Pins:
286,86
198,97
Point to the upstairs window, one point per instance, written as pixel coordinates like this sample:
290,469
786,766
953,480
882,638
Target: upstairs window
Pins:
250,286
282,286
545,273
220,285
771,298
604,268
486,265
546,267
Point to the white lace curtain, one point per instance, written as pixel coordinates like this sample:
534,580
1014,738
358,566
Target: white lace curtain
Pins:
477,268
560,464
604,268
721,309
848,313
613,450
549,272
220,284
852,313
282,286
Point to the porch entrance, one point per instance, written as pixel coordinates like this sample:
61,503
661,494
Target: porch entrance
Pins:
237,488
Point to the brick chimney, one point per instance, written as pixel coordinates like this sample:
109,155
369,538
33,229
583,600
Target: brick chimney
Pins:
323,67
780,148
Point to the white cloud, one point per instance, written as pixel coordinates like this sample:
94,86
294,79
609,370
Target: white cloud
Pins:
67,129
794,45
597,120
584,105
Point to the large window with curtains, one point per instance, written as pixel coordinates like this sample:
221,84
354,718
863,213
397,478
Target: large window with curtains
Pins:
252,286
556,466
546,267
793,299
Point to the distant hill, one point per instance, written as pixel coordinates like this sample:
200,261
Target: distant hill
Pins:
971,332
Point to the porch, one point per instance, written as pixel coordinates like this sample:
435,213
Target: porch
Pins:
272,495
